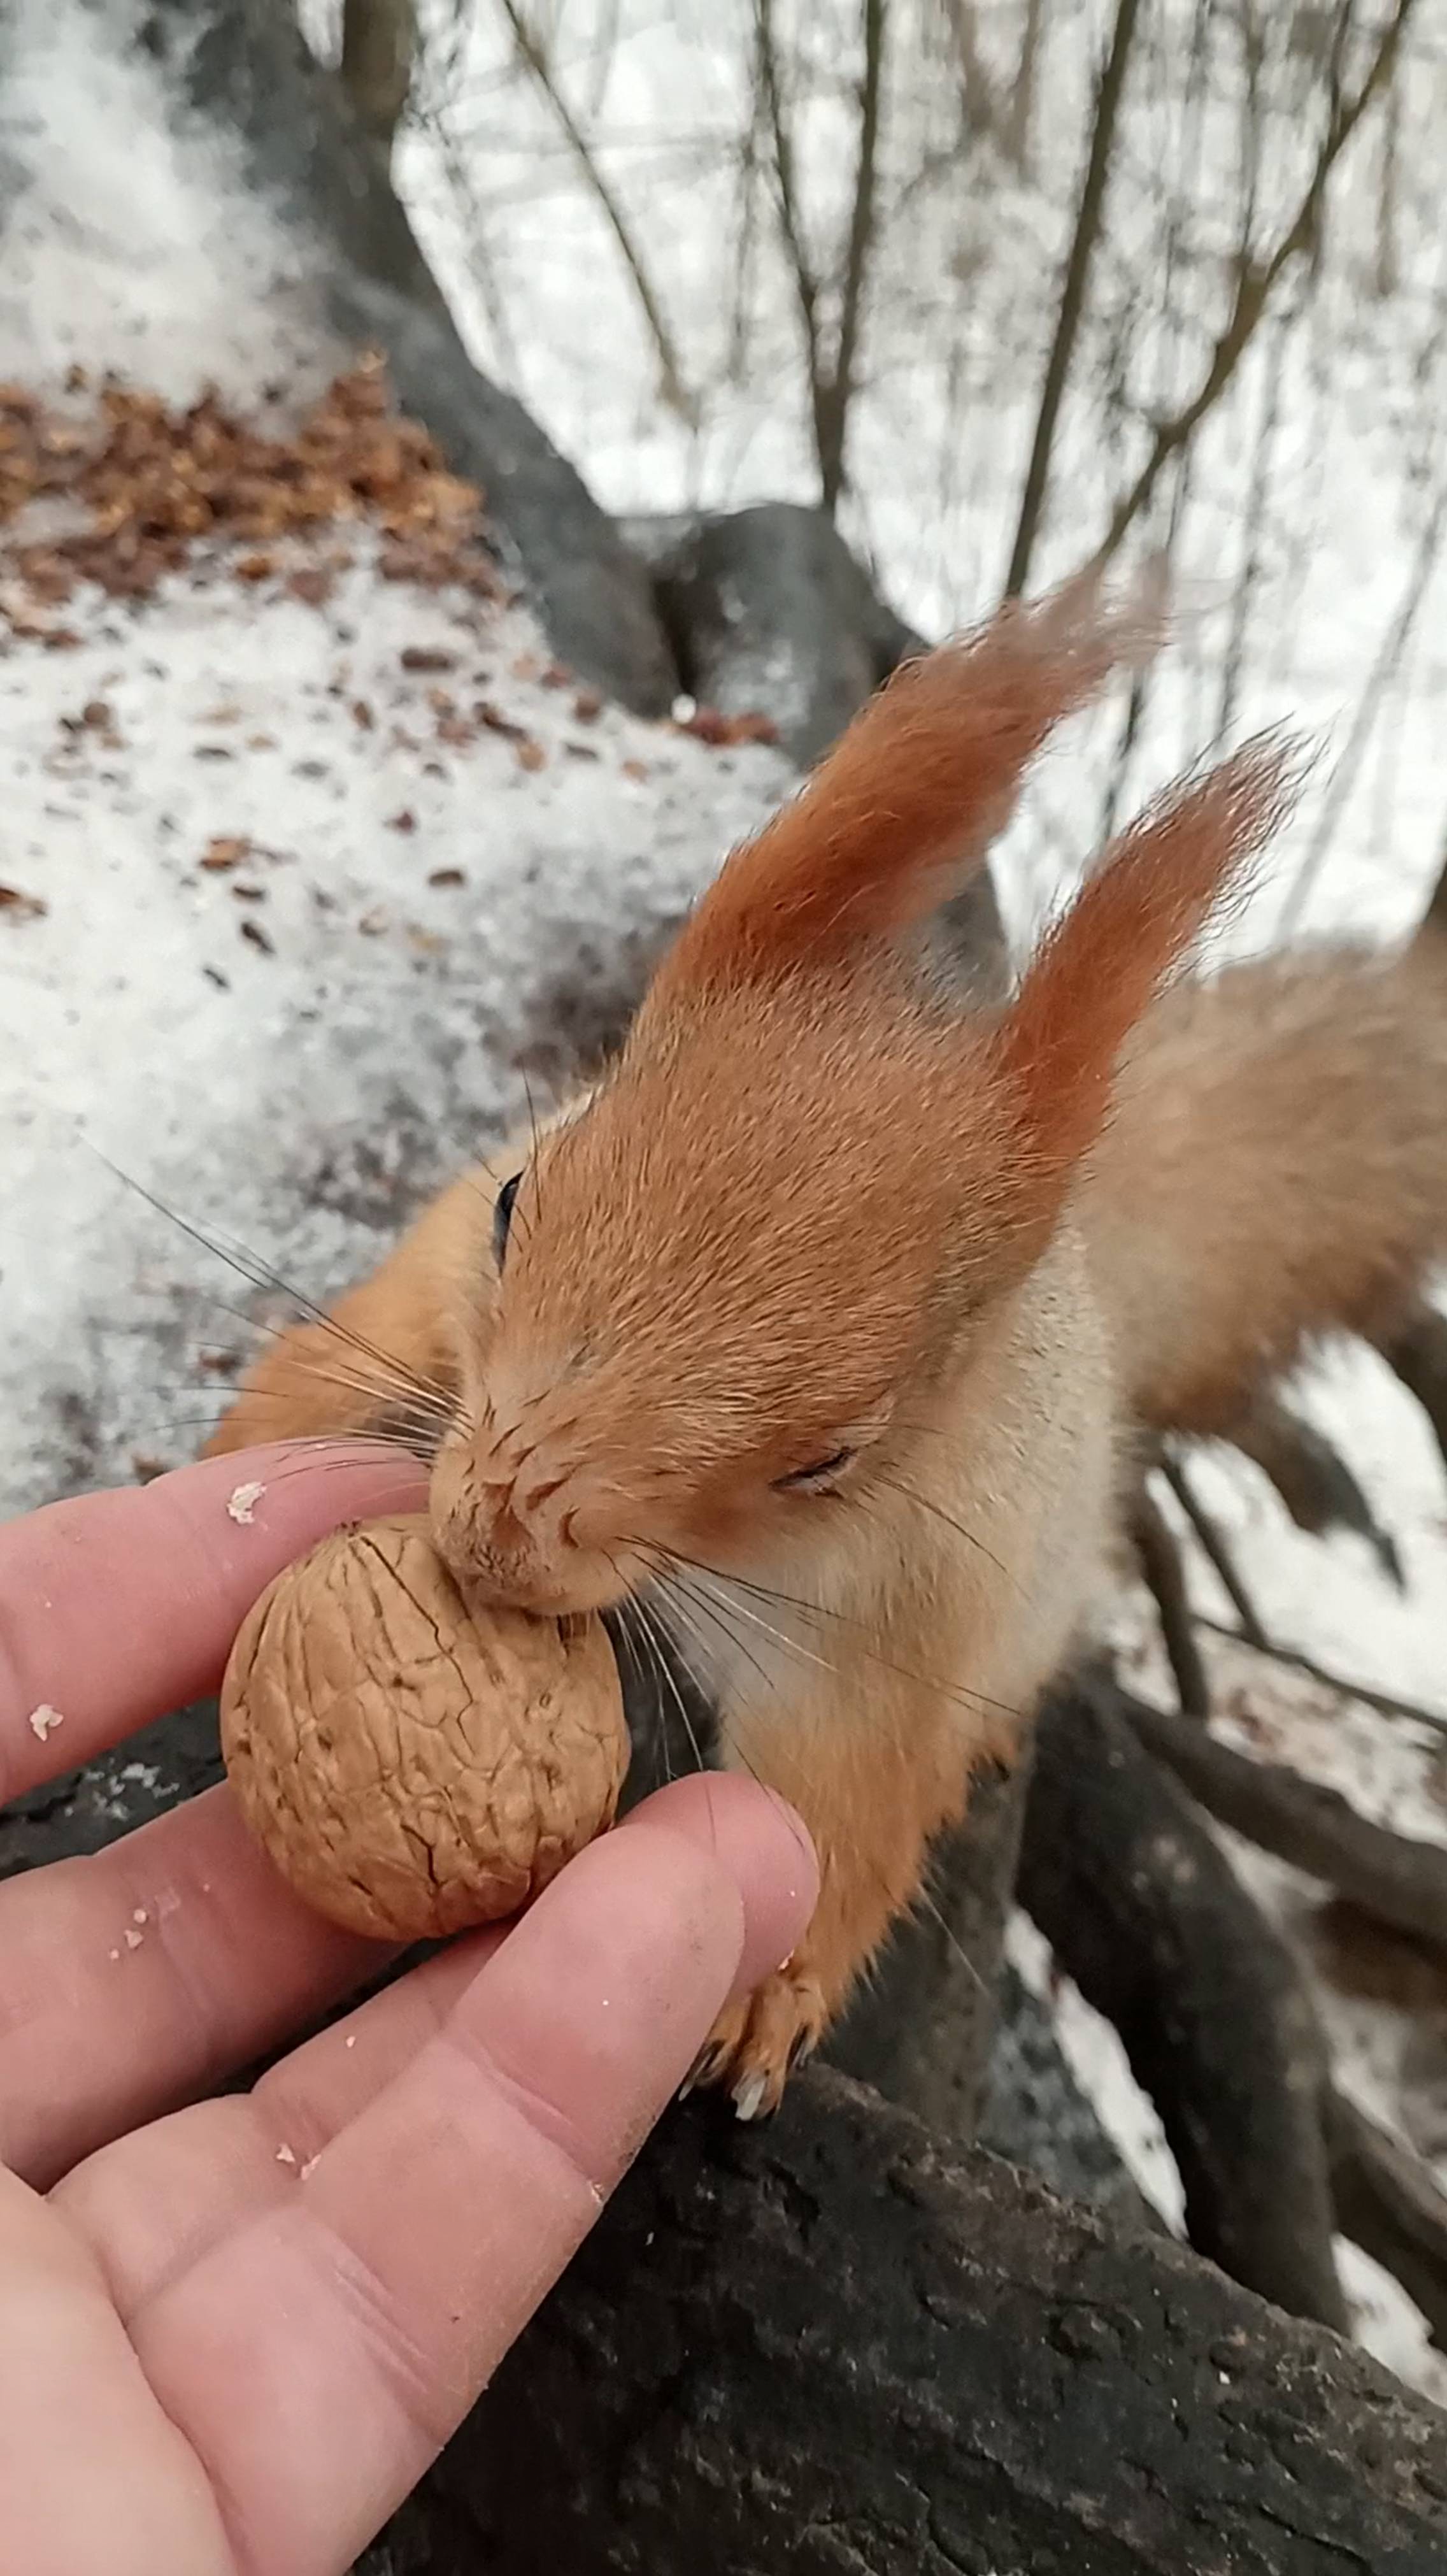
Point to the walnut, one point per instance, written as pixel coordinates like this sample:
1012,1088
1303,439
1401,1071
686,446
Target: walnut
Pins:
412,1767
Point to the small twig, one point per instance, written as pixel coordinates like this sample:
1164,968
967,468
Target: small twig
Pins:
1254,522
1256,280
1400,1881
831,381
1213,1546
1385,1702
1022,88
533,53
806,284
1388,2202
835,424
1072,293
1161,1565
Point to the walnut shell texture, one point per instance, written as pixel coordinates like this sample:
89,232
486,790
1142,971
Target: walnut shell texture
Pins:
410,1766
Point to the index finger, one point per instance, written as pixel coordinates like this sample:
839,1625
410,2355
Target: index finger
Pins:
118,1607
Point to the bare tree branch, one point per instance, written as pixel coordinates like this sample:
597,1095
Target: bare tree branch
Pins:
831,380
534,53
1256,281
1386,1702
1142,1908
1401,1881
835,423
1160,1563
1072,293
806,284
1213,1547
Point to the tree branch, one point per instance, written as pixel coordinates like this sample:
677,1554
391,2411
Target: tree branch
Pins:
1255,282
533,52
1160,1561
831,385
1296,1662
1401,1881
1144,1911
806,284
1213,1548
1072,294
834,422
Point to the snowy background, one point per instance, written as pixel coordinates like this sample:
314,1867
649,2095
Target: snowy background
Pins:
285,964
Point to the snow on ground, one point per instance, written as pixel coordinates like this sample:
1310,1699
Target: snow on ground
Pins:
282,1045
258,1043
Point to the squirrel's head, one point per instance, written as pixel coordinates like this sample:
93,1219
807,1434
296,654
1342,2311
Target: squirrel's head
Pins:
730,1279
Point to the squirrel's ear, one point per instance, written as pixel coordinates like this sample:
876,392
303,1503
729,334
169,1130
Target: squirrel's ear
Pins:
1132,922
904,808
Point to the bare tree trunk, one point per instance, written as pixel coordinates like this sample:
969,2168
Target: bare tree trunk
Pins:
1072,293
379,43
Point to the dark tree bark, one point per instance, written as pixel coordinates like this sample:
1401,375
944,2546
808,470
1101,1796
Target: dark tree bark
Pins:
1073,284
1396,1877
834,2347
1144,1911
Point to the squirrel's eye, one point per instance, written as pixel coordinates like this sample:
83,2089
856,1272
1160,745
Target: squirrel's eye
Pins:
502,1217
817,1476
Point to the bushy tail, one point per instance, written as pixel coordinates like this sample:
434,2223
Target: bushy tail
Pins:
1275,1170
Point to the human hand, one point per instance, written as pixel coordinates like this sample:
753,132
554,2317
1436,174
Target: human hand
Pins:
233,2335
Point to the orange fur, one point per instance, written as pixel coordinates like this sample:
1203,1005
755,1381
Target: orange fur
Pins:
1096,971
906,805
816,1219
1275,1168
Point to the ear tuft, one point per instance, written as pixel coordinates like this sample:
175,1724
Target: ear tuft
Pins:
1129,927
906,805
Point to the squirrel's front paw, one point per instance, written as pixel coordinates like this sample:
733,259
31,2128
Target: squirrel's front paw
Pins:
755,2044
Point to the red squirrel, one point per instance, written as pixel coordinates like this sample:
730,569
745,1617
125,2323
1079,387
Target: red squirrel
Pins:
821,1322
